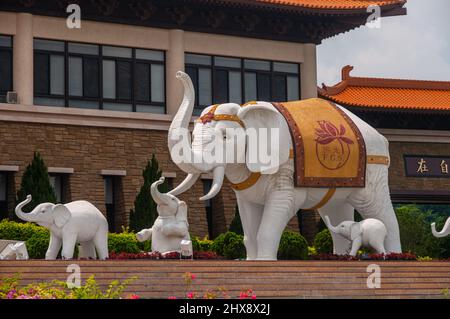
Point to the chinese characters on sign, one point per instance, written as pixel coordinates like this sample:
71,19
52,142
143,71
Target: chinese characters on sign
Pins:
427,166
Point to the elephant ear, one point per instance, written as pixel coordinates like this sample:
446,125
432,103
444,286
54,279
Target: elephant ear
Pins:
61,215
355,231
182,212
275,143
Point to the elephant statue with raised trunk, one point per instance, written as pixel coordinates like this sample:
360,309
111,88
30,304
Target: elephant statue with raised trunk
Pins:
171,226
444,232
322,158
69,224
367,233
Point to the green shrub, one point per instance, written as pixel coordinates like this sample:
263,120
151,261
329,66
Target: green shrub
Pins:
204,244
415,232
144,213
37,245
293,246
125,242
229,245
17,231
323,242
11,288
36,237
35,181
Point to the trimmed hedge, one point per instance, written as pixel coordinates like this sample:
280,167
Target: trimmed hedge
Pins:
204,244
293,246
36,237
230,245
323,242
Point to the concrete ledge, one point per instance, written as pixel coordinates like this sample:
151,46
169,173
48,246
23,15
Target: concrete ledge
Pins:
113,172
169,174
9,168
61,170
416,136
83,117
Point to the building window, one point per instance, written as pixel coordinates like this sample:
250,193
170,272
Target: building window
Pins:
5,66
224,79
60,184
99,77
3,195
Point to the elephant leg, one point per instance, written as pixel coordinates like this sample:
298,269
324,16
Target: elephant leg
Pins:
101,243
378,246
68,247
338,212
87,250
250,214
278,211
53,247
356,244
374,201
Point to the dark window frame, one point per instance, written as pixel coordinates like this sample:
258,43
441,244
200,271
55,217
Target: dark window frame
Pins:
242,69
4,209
10,51
100,58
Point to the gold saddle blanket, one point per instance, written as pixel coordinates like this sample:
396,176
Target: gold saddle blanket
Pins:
329,150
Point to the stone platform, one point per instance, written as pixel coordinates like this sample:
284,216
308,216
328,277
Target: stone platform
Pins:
282,279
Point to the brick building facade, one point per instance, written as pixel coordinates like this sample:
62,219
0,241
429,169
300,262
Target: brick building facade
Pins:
97,102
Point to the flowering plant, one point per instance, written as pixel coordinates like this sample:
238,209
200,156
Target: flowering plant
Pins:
10,288
219,292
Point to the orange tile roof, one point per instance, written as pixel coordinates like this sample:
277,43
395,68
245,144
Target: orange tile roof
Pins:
334,4
379,93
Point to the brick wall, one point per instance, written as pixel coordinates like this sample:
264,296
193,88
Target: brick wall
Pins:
397,177
88,150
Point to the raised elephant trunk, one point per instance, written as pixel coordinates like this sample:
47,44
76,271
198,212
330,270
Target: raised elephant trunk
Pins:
179,129
190,161
332,228
24,216
156,195
444,232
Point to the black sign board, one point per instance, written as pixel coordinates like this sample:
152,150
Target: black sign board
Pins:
427,166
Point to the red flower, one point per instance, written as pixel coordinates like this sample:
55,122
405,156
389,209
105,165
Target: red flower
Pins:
190,295
134,296
328,132
193,276
253,297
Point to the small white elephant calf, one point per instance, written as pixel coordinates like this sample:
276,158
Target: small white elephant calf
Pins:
71,223
171,226
368,233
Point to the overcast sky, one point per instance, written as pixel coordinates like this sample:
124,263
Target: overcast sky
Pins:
415,46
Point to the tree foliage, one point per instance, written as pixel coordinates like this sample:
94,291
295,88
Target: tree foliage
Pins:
144,213
35,181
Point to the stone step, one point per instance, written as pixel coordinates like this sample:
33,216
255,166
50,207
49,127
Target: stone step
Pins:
282,279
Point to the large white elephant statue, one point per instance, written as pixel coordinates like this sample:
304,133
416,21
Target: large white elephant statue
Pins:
444,232
367,233
171,226
267,196
75,222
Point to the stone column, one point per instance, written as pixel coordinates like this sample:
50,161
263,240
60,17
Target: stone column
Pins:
174,63
23,58
309,71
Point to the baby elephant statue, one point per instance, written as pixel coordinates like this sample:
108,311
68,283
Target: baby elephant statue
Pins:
444,232
368,233
75,222
171,226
